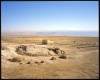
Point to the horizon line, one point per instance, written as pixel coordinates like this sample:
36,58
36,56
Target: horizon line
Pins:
49,30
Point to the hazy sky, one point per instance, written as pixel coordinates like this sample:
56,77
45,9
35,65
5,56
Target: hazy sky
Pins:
49,15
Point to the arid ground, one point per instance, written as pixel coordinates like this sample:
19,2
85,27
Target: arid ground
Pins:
25,57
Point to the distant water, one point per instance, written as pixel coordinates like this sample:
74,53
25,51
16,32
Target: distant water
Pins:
57,33
72,33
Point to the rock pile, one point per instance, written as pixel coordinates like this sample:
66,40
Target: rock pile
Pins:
57,51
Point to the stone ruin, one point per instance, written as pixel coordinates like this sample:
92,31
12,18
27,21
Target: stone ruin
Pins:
47,42
39,51
32,51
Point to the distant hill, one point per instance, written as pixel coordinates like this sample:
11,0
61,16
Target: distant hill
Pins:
56,33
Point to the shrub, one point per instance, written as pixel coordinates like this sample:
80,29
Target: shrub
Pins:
53,58
63,57
36,62
29,62
20,63
42,62
15,59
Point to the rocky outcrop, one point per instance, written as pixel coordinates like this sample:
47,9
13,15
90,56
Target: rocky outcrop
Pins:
57,51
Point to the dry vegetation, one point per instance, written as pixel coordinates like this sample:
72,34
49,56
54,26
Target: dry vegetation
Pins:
26,57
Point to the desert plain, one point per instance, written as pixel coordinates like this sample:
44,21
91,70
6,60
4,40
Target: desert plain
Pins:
25,57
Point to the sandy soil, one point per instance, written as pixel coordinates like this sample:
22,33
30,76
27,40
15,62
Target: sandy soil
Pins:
82,60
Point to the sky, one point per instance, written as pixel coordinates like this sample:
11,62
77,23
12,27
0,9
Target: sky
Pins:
49,16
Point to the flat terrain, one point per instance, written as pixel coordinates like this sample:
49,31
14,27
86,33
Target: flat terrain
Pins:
81,62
